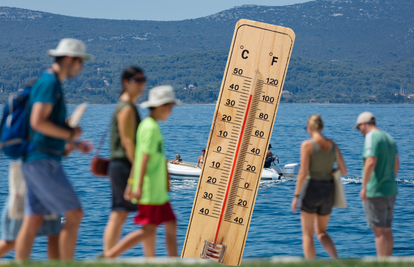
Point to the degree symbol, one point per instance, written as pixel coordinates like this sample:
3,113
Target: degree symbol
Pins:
241,47
270,54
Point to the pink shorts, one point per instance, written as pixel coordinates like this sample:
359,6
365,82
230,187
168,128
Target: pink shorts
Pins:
154,214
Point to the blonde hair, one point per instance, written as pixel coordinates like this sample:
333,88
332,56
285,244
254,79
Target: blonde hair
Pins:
177,156
315,122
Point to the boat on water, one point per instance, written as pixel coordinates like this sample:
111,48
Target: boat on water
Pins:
189,171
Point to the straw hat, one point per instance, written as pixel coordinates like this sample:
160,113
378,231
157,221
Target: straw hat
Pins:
70,47
159,96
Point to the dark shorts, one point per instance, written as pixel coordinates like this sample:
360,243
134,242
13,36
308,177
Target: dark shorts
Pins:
118,172
154,214
48,189
379,211
318,197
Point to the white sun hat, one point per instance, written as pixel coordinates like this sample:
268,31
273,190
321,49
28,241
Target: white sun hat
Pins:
159,96
364,117
70,47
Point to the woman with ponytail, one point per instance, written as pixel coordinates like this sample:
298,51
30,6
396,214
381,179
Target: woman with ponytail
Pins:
317,157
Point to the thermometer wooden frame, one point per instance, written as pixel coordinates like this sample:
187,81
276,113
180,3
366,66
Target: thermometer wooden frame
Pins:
240,134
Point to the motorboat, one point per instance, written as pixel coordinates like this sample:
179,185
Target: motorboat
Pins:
189,171
291,170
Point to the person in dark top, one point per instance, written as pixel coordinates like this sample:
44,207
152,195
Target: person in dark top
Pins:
269,157
124,127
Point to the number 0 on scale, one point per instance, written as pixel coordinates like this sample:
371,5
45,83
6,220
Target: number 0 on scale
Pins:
240,134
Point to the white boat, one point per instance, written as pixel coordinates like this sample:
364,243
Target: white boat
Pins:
291,170
189,171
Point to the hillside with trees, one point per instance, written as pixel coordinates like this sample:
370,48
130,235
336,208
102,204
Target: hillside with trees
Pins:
197,78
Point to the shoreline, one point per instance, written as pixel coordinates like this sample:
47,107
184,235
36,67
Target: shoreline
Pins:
313,104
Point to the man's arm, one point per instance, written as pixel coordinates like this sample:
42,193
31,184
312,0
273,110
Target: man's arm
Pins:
39,120
369,167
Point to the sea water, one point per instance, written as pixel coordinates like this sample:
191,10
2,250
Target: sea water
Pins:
274,229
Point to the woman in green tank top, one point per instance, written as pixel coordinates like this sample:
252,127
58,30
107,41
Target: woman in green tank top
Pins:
123,139
317,158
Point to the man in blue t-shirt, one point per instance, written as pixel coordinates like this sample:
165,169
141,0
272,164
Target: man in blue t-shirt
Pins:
48,189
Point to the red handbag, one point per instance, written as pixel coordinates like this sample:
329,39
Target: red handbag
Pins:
99,166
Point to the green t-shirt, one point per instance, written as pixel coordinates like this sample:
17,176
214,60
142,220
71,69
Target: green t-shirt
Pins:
381,145
150,142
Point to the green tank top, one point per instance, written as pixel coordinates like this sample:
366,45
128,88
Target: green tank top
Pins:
117,150
321,163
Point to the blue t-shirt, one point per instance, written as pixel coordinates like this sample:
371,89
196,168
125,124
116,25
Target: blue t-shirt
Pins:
47,90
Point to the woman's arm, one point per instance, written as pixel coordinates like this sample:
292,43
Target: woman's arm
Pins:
340,161
128,189
305,152
126,127
198,161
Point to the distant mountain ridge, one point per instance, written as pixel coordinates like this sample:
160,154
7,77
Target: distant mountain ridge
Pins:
361,32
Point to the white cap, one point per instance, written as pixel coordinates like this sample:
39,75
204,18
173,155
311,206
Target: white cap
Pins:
364,117
159,96
70,47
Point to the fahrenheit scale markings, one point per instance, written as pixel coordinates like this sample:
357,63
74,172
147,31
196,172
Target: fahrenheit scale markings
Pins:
241,130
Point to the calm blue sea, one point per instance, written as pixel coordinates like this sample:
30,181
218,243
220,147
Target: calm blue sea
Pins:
274,229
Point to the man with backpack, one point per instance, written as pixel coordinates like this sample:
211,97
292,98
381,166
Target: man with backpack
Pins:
48,189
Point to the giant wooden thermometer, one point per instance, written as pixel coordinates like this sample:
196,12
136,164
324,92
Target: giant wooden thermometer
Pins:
240,134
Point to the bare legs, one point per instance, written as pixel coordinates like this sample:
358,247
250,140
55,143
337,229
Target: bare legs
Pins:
384,241
69,234
149,245
66,240
113,229
131,240
307,234
321,223
113,233
52,247
324,238
26,236
147,234
171,237
6,247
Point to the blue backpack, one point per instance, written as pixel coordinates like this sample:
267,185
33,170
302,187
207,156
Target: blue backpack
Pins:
14,139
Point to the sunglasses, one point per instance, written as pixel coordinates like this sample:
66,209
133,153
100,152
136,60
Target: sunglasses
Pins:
138,79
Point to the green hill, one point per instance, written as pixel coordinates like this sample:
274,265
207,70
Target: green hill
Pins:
306,78
370,33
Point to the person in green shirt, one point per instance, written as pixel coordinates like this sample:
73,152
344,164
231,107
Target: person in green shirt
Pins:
150,183
379,189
